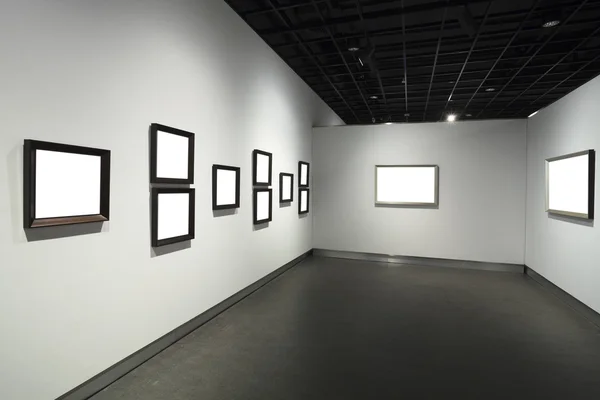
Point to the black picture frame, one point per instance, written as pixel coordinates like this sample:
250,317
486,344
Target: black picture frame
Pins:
237,170
255,155
255,206
282,175
29,184
300,184
300,211
191,216
154,129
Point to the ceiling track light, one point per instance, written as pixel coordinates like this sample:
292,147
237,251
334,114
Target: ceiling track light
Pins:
451,117
551,24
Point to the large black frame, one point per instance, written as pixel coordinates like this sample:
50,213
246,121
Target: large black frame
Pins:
29,184
281,199
300,184
191,222
255,208
216,168
300,190
591,185
154,128
255,154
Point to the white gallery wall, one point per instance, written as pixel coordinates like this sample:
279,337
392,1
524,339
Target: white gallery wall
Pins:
97,74
563,250
481,214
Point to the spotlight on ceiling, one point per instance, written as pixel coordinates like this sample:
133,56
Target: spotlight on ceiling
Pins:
490,89
388,123
373,97
407,114
550,24
469,115
534,114
353,49
451,118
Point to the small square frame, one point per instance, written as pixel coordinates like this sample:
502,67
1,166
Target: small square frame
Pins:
216,168
255,206
300,184
300,211
154,129
191,216
255,155
282,175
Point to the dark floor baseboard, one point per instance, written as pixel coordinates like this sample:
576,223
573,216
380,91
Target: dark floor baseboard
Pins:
579,307
425,261
115,372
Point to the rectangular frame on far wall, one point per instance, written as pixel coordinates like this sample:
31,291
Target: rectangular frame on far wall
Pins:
259,196
422,194
574,179
303,174
181,221
171,155
64,184
223,185
262,168
303,206
286,187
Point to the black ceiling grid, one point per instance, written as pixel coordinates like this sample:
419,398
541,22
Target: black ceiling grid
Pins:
420,60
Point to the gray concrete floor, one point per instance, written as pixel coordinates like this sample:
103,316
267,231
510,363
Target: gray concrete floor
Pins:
340,329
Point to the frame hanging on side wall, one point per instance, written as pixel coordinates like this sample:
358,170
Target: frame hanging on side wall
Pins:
303,200
263,206
225,187
173,216
262,168
64,184
171,155
303,174
570,184
286,187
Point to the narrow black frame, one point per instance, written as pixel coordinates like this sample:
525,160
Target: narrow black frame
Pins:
281,199
154,129
300,190
300,163
255,208
191,221
216,168
255,154
29,184
591,185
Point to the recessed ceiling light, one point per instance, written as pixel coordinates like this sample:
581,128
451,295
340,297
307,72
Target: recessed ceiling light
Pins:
407,114
468,115
550,24
490,89
450,81
534,114
388,123
353,49
373,97
451,118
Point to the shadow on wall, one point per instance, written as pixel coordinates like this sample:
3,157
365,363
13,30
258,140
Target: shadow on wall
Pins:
58,232
260,227
170,248
224,213
578,221
285,205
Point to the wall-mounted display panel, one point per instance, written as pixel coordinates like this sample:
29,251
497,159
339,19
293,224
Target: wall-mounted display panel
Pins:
407,185
286,188
64,184
262,167
570,184
303,200
173,216
171,155
303,173
225,187
263,206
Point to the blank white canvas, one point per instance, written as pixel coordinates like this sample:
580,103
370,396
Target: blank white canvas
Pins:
171,156
406,184
226,187
262,168
263,206
303,200
173,215
568,184
66,184
303,174
287,187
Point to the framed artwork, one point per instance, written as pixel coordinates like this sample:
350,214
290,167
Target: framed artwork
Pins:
173,216
303,200
225,187
263,206
407,185
570,184
262,166
64,184
286,188
171,155
303,173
